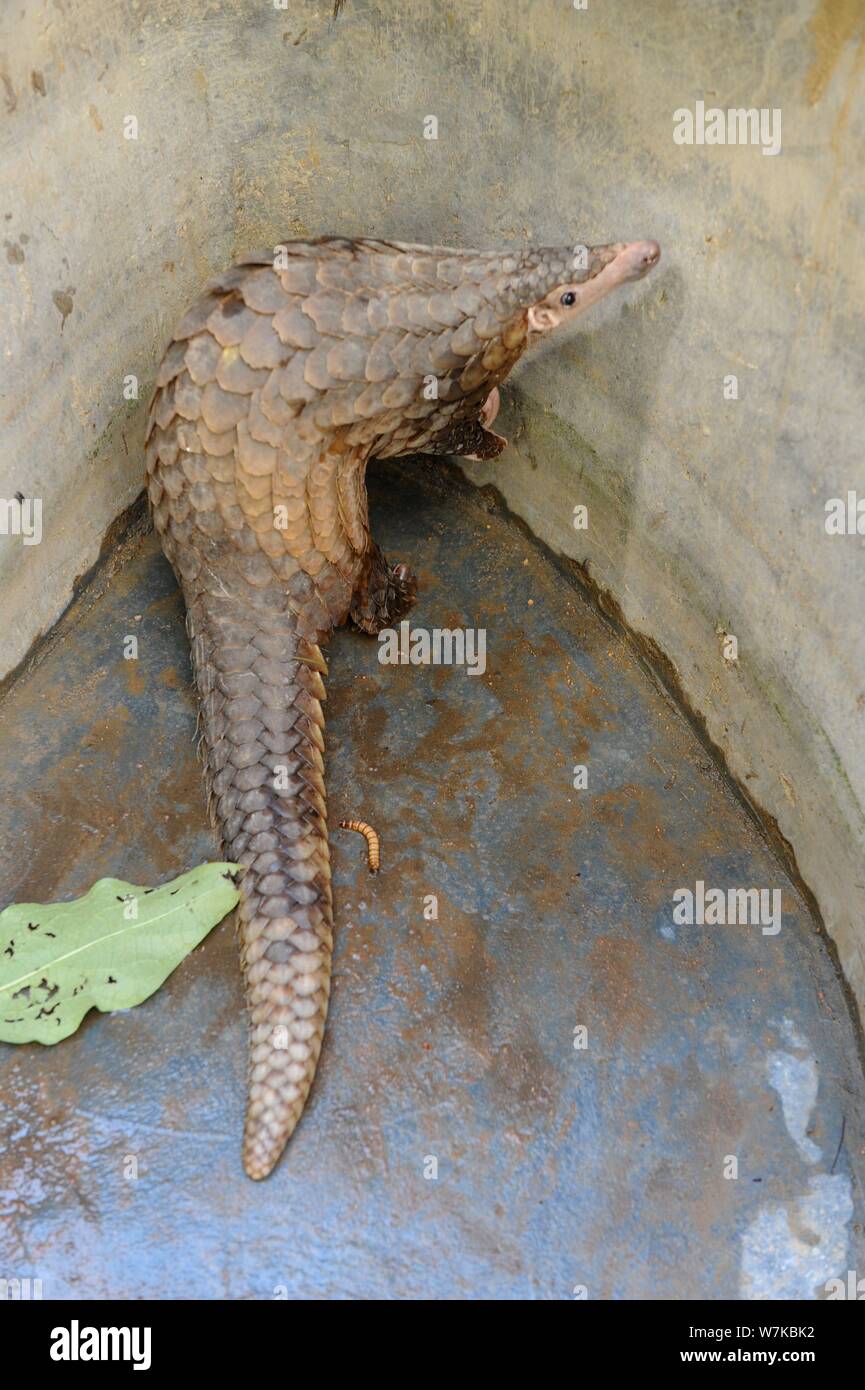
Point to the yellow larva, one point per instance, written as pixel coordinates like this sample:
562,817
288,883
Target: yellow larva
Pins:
373,844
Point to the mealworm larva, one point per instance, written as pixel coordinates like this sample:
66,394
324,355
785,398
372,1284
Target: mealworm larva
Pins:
373,843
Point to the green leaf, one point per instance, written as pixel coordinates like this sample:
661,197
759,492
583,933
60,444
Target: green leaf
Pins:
108,950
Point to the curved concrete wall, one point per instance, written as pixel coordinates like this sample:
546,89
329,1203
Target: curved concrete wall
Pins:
705,514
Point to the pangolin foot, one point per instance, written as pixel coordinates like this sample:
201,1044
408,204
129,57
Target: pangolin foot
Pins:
490,446
383,603
401,594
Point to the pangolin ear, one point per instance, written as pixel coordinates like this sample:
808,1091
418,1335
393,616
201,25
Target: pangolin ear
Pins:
542,318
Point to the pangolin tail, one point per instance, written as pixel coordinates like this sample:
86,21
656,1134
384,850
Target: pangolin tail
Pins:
260,684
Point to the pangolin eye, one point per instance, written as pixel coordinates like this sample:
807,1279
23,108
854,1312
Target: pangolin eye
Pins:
569,298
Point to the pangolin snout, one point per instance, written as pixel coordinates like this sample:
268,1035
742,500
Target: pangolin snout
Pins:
639,257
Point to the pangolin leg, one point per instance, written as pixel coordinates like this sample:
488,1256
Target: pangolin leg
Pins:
486,445
261,689
384,595
467,438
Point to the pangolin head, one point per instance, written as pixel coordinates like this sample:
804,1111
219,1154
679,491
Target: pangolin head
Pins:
555,284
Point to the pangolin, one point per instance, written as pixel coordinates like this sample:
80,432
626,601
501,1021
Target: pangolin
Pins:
288,374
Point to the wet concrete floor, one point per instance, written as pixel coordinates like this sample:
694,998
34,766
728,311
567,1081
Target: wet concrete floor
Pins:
542,1091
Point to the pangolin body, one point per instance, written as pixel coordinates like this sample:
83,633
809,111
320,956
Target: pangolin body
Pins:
289,373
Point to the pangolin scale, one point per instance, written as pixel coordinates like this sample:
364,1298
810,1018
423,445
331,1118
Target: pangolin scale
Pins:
289,374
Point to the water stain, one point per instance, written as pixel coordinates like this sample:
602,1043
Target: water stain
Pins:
833,24
64,303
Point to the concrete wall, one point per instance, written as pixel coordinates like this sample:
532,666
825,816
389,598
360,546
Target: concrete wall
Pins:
706,515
